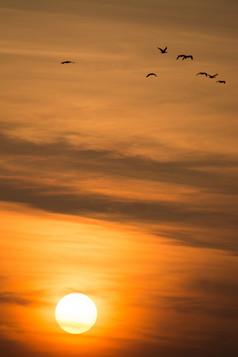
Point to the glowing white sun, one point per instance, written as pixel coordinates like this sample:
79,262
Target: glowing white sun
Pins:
76,313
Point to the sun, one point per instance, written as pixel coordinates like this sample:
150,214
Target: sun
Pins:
76,313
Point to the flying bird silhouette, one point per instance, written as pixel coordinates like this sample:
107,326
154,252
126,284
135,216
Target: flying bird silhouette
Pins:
185,57
212,76
203,74
163,50
221,82
67,62
151,74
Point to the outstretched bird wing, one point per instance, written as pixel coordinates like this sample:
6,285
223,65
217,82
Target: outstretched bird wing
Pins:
183,56
151,74
221,82
202,73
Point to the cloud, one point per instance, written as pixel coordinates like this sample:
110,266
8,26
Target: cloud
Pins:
192,305
14,298
182,15
211,346
62,200
12,348
217,286
203,236
200,170
216,345
31,174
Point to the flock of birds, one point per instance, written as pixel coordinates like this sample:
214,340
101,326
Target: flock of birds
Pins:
183,57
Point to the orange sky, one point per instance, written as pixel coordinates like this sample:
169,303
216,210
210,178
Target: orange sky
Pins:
115,185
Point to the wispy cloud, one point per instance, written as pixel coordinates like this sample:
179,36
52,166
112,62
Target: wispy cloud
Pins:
14,298
191,305
218,286
31,174
201,170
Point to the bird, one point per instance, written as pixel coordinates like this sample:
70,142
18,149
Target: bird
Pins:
151,74
203,74
212,76
67,62
221,82
185,57
163,50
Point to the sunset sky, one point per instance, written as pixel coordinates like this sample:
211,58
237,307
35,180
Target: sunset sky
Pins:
118,186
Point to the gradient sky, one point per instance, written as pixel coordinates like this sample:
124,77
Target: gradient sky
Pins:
115,185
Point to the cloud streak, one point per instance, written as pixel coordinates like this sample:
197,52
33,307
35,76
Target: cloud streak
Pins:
195,170
31,175
14,298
